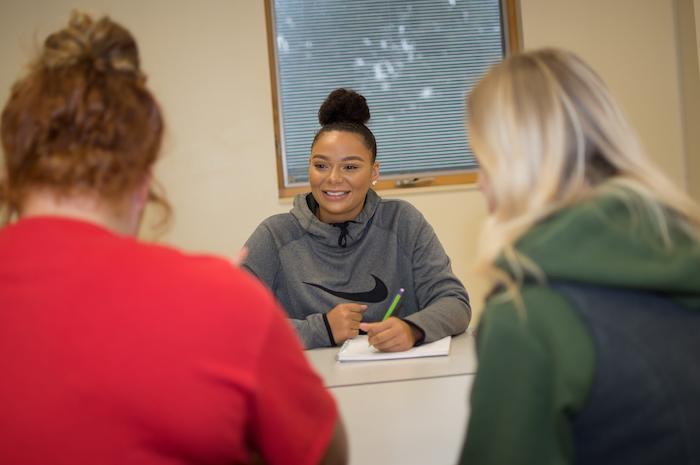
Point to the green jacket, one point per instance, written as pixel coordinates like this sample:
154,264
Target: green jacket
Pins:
536,367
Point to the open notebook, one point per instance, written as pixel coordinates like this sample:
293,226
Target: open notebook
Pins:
358,349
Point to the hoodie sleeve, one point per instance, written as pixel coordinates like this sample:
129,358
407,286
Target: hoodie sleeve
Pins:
263,257
264,263
443,301
312,331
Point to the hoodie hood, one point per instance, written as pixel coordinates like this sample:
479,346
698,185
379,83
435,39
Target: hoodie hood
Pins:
612,241
304,211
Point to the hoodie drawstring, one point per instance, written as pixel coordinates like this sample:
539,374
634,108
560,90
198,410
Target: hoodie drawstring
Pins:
343,237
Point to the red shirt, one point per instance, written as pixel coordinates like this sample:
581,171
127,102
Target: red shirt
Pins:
117,352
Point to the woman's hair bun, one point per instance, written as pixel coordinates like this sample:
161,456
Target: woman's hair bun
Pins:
103,45
343,106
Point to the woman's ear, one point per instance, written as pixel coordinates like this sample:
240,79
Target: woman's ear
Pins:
140,196
484,185
137,204
375,173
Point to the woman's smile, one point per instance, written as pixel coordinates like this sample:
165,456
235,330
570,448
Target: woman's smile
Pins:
340,174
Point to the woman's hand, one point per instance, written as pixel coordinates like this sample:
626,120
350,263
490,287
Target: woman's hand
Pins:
240,256
344,320
390,335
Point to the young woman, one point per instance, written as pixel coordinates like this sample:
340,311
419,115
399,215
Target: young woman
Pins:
113,351
338,258
588,346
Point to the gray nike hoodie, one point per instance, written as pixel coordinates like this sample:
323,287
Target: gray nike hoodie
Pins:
388,246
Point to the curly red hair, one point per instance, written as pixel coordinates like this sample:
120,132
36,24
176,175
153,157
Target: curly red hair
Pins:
82,119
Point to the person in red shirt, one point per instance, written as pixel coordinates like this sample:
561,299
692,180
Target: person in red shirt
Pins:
114,351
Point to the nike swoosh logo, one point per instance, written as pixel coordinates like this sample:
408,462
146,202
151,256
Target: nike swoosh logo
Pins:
378,294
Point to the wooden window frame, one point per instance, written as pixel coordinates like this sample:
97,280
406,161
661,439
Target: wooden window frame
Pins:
513,41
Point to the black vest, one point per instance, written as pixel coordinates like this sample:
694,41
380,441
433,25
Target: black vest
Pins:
644,404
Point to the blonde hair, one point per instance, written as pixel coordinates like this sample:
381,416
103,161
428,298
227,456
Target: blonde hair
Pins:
548,134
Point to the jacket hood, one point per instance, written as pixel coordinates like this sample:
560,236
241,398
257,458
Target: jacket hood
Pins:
303,210
612,241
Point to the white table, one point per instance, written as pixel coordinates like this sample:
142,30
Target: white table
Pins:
410,411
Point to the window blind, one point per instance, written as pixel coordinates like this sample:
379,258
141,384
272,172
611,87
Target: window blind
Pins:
413,60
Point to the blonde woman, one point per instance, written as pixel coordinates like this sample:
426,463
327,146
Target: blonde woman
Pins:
589,342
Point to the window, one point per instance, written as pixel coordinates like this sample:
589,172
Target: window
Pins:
413,60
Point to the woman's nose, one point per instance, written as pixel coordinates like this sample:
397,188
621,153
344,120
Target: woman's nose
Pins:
335,175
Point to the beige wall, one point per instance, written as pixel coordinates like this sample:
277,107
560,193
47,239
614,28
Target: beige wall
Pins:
693,153
690,89
696,6
632,44
207,63
694,158
694,179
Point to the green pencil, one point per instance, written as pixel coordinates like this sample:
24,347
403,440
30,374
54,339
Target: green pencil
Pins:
393,305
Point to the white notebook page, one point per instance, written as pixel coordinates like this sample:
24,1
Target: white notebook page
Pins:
358,349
